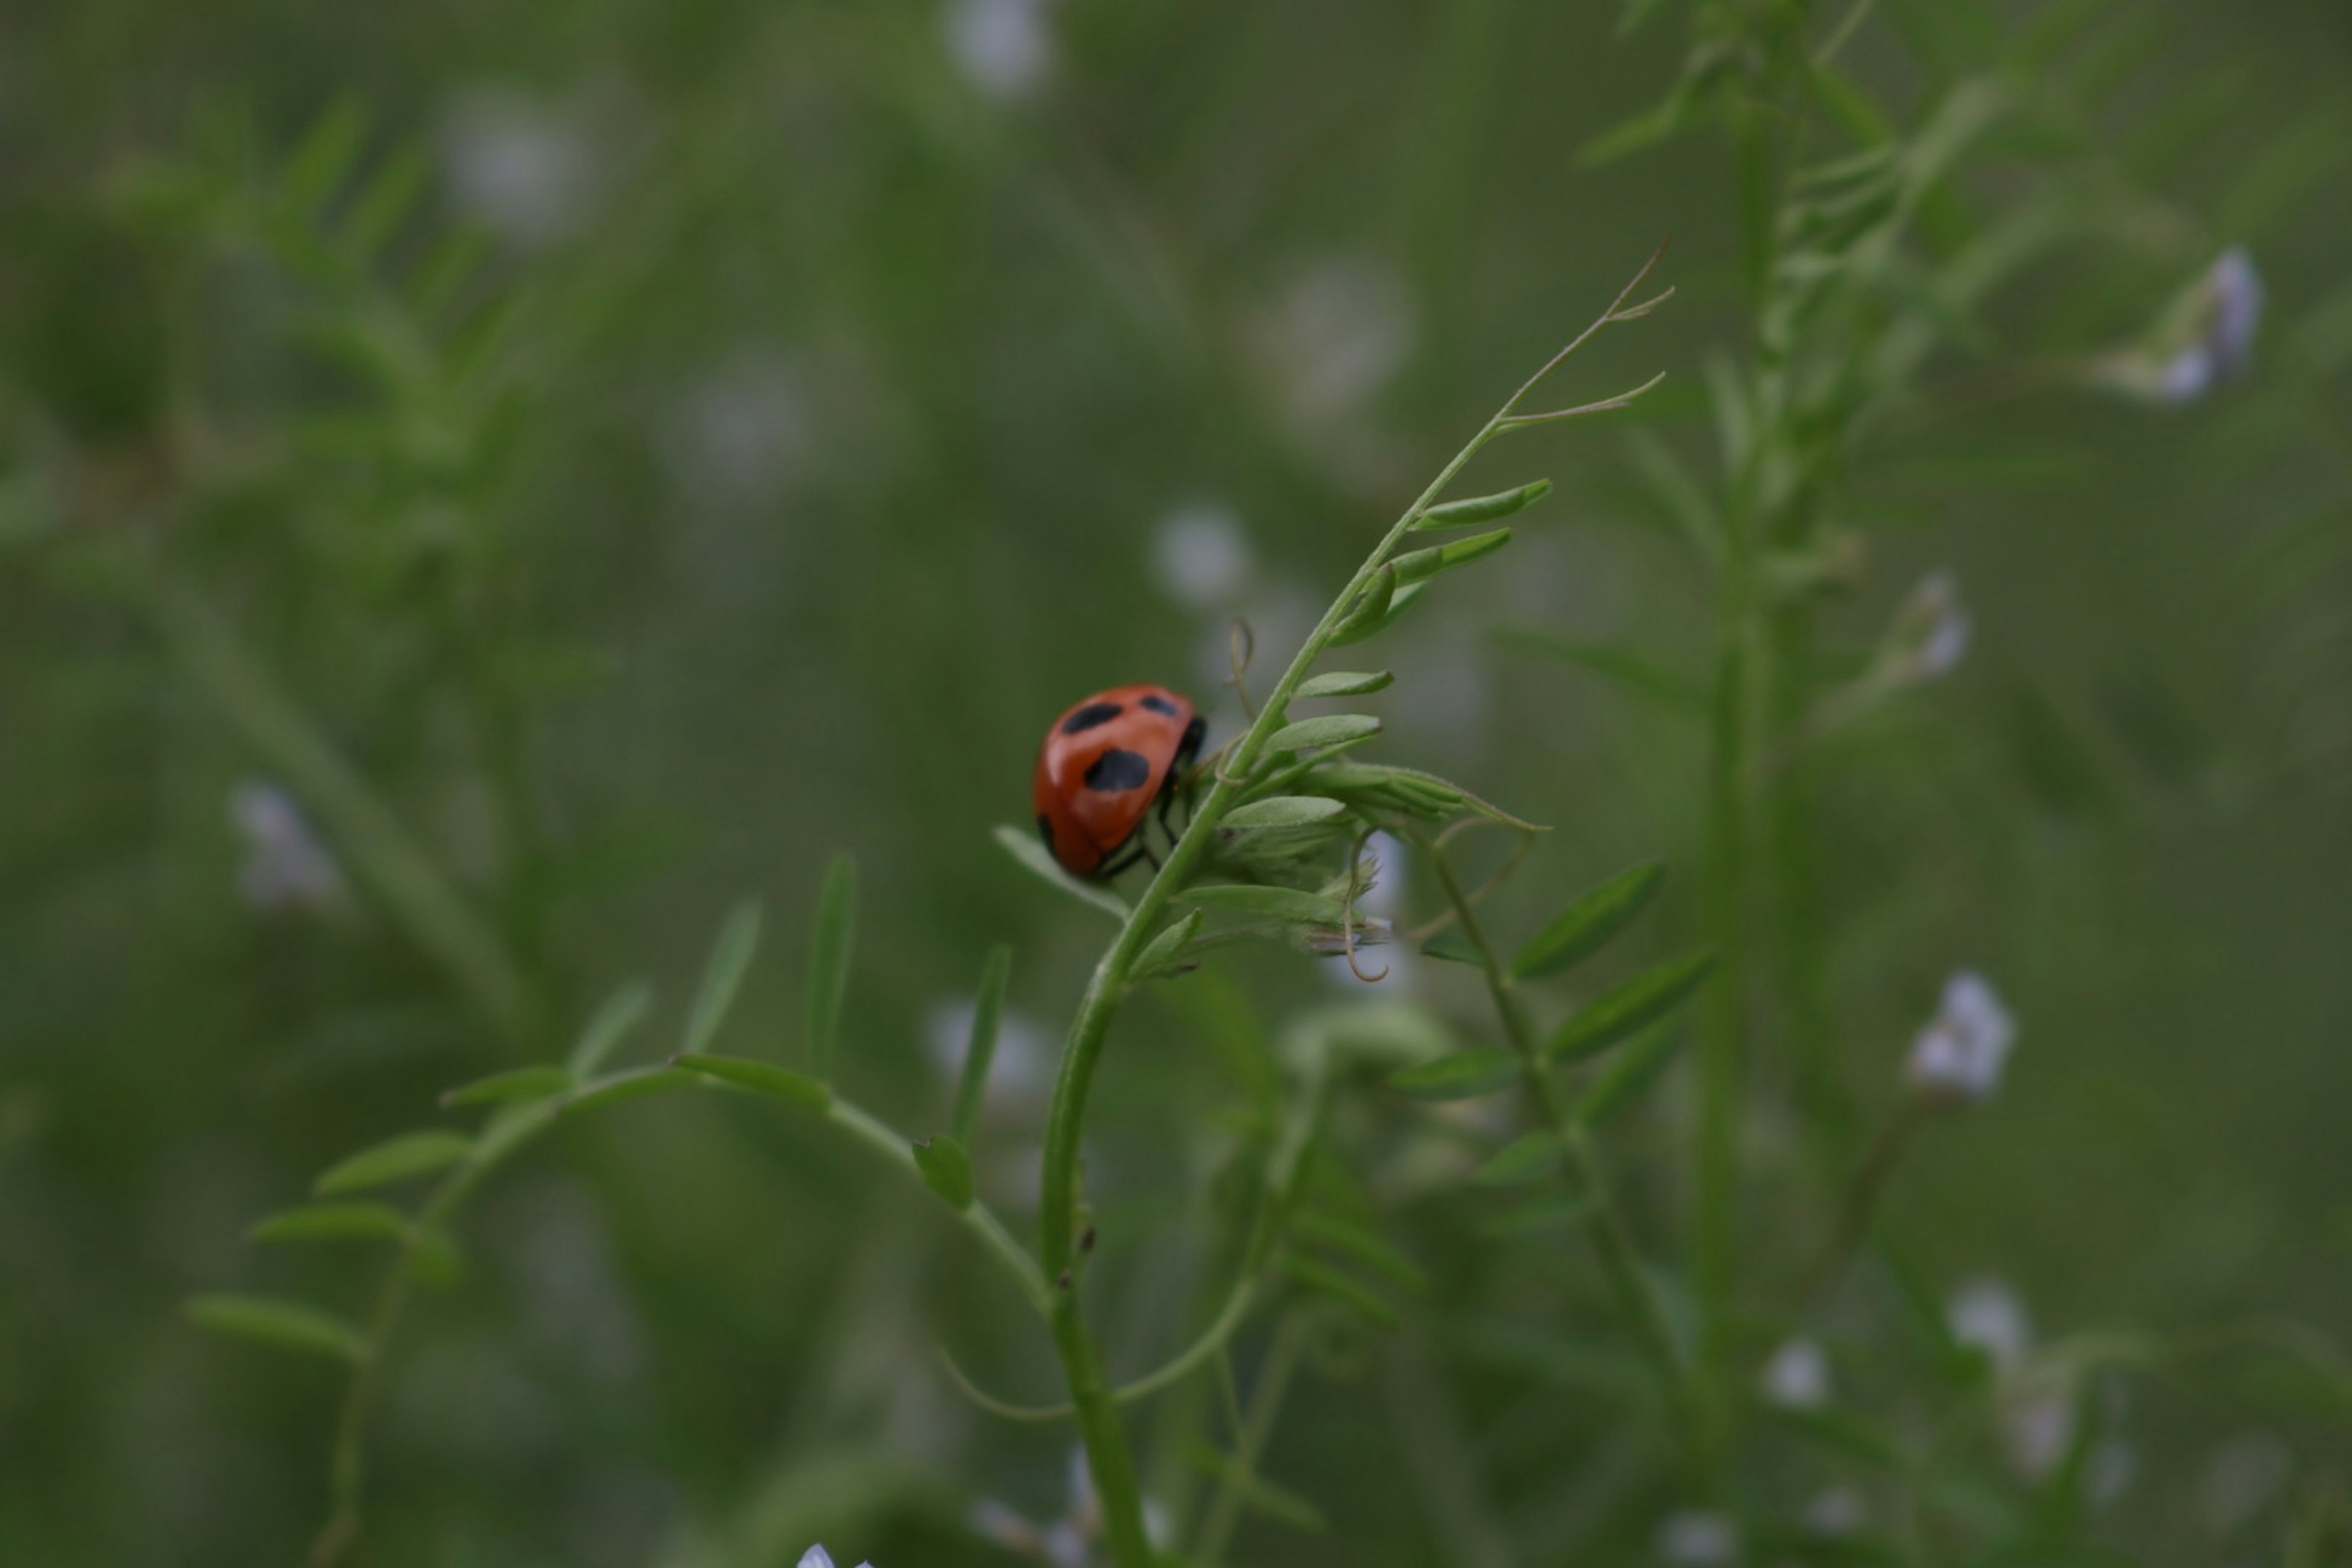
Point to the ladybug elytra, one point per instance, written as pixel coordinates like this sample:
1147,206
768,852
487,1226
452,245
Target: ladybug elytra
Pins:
1104,765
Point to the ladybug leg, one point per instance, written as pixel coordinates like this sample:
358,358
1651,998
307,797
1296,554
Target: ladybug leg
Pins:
1114,868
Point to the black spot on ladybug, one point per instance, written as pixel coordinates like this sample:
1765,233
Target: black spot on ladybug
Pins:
1160,705
1115,771
1045,832
1092,714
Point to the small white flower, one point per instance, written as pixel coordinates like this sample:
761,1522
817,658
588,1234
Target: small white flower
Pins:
1694,1540
1988,1316
517,166
285,867
1020,1073
1004,47
2037,1427
1958,1056
1798,1375
1835,1512
1931,632
818,1557
2205,338
1336,337
2245,1476
741,432
1065,1542
1200,557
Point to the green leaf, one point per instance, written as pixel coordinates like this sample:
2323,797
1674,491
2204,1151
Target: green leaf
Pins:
1331,729
1420,565
980,1051
1288,905
1533,1157
1465,1074
1586,925
1285,811
288,1325
1345,683
1636,672
1023,845
947,1170
1842,1435
1278,1503
1483,509
759,1078
1167,948
394,1159
1627,1073
620,1014
730,955
1540,1213
388,198
1629,1008
332,1222
1324,1279
828,972
1454,945
1370,612
621,1088
516,1084
323,162
1367,1247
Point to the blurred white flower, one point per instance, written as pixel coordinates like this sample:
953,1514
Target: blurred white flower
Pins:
1986,1315
1838,1511
1798,1375
2037,1427
818,1557
2205,338
1957,1058
1200,558
1930,632
737,435
1694,1539
517,166
1020,1073
1065,1542
285,867
2245,1476
1004,47
1335,338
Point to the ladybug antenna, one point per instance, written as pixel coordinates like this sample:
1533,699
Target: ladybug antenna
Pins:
1241,647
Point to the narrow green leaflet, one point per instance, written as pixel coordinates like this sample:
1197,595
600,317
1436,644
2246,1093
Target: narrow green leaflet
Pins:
759,1078
288,1325
1483,509
1286,811
1533,1157
1636,672
1627,1073
1332,730
1345,683
1319,1227
1463,1076
947,1170
1541,1214
1286,904
1630,1007
828,970
394,1159
1370,612
1421,565
1023,845
1452,945
621,1088
980,1051
515,1085
1326,1280
332,1222
1168,947
730,955
1278,1503
622,1011
1586,925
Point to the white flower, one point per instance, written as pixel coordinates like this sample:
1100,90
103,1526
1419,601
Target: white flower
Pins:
1336,338
2037,1427
1694,1539
1020,1073
1988,1316
1958,1056
818,1557
1798,1375
1931,632
739,433
1200,557
1065,1542
2245,1476
1004,47
516,165
1835,1512
2205,338
285,867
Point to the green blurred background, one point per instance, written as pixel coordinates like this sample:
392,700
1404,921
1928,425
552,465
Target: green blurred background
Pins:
868,383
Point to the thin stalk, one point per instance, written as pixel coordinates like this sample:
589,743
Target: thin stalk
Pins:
1252,1433
1107,1447
1862,1197
1605,1229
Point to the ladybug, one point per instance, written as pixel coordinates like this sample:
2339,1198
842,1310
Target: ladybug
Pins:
1104,765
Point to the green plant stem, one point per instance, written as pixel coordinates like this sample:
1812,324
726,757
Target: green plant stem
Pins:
1862,1197
1252,1432
1108,1452
1604,1224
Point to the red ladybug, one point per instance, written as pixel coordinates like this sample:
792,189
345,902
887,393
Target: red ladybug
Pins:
1104,765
